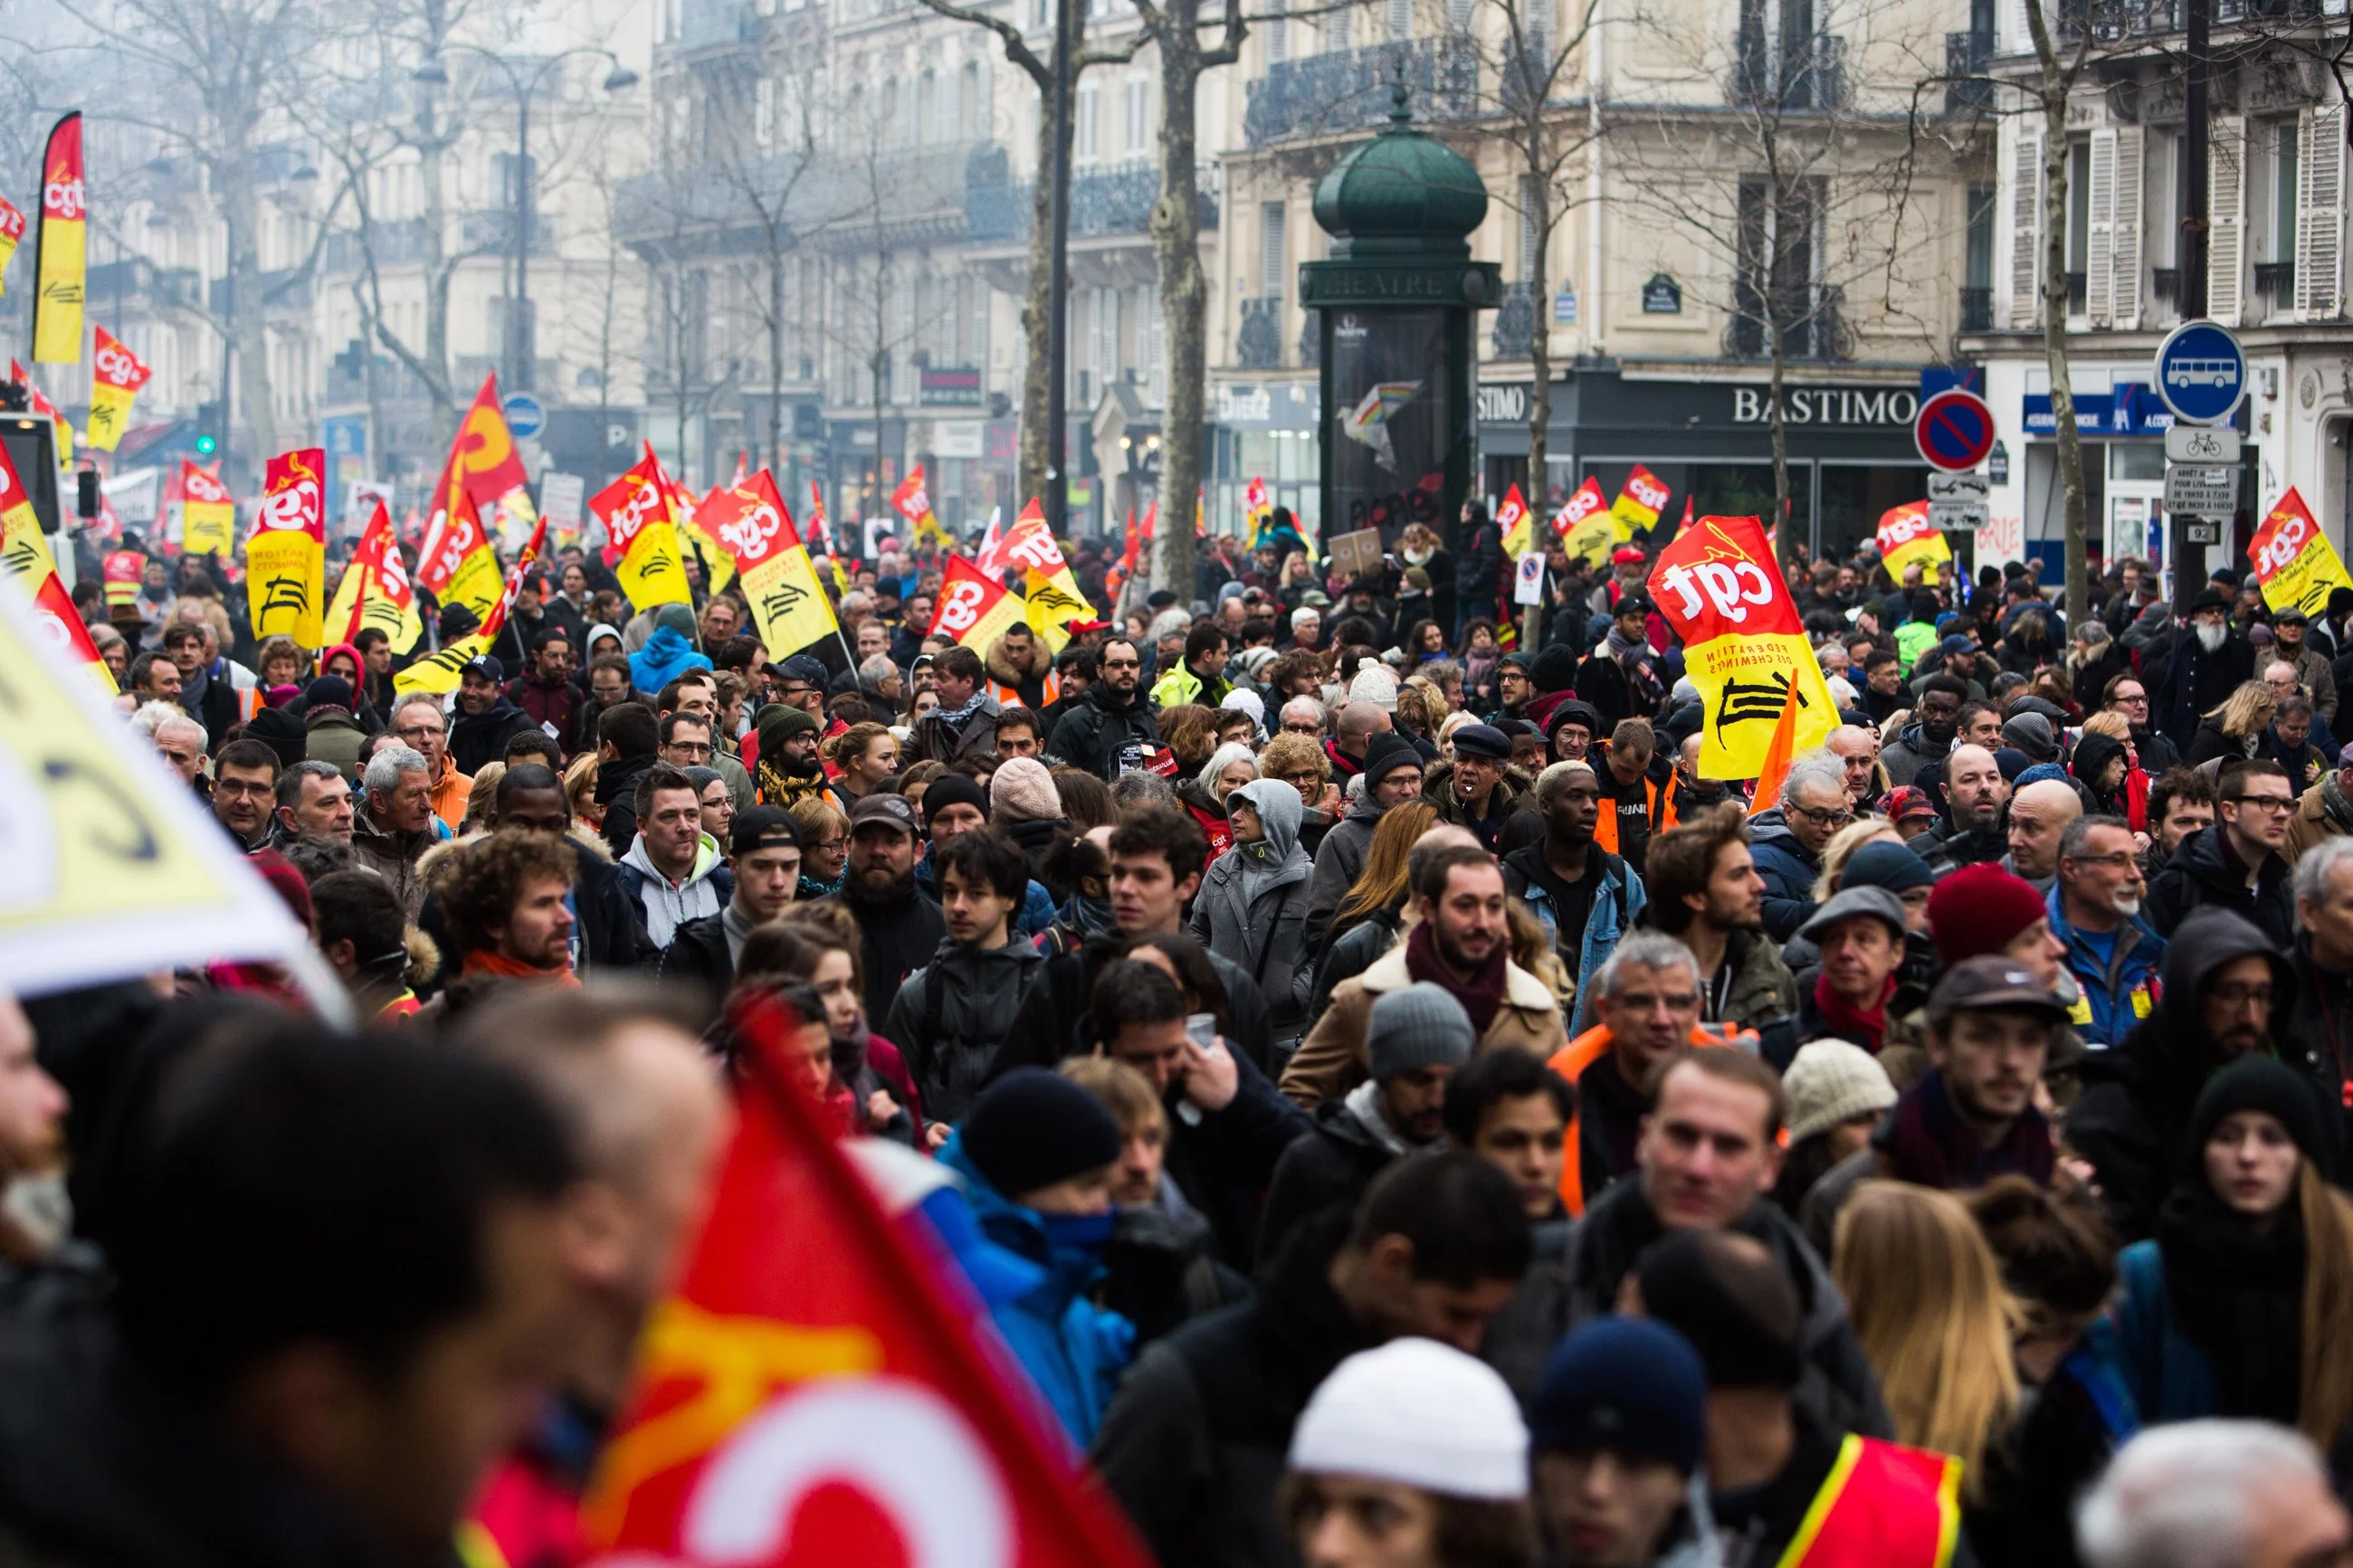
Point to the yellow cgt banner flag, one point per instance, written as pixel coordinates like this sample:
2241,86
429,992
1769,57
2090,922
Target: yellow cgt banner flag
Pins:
1743,646
440,672
207,515
376,591
771,565
61,263
116,376
286,555
641,536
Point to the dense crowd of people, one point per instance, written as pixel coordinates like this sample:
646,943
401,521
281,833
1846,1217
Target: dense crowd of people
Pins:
1387,1106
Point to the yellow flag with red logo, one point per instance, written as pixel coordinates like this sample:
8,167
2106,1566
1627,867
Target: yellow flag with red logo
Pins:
440,672
1512,517
24,555
912,501
116,376
972,609
456,563
376,591
61,263
12,233
2294,562
772,561
207,515
641,537
1718,587
285,554
718,566
1639,501
1584,525
1053,597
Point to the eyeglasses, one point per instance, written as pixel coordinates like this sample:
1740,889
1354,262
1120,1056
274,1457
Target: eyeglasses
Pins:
2266,802
2237,996
1822,817
691,748
1301,776
1301,727
410,732
2132,699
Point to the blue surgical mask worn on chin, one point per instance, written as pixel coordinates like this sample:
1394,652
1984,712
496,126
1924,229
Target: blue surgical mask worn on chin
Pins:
1090,1231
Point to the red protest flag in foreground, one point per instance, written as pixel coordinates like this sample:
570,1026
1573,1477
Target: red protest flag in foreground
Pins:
1778,753
811,1394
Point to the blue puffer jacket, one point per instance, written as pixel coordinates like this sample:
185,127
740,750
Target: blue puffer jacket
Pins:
1072,1350
1788,871
2166,1371
2119,992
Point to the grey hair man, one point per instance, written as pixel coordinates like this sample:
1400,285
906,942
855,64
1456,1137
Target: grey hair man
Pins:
2323,954
1304,716
1788,840
314,801
393,828
179,740
1649,996
2213,1494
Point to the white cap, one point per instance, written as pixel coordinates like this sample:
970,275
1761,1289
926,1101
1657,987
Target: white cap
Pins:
1422,1414
1377,686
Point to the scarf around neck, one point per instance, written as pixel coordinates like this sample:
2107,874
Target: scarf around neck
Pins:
2333,802
483,963
1482,997
2240,1294
1866,1027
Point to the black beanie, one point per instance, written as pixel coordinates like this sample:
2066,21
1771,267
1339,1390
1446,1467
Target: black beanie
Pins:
952,789
1555,669
1384,755
2257,1083
283,732
1034,1128
1739,1310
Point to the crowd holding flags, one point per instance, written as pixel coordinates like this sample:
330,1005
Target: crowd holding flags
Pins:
748,520
1906,536
12,233
207,515
26,554
1719,588
912,501
375,590
641,541
2293,561
440,672
457,563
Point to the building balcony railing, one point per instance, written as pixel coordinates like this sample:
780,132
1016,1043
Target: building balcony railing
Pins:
1814,324
1803,74
2110,21
1259,345
1117,199
1515,322
1346,91
1976,309
2276,281
1965,56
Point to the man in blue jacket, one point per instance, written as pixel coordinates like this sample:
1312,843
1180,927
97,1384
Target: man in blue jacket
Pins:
2095,910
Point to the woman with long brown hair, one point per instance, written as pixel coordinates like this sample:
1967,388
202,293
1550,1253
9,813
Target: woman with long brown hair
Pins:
2238,1306
1372,912
1925,1296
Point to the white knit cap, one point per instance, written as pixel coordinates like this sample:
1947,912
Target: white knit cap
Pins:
1377,686
1421,1413
1830,1081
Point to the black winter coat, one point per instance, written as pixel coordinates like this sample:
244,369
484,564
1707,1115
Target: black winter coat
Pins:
478,738
698,955
2204,873
2197,683
1328,1169
898,936
1095,732
950,1016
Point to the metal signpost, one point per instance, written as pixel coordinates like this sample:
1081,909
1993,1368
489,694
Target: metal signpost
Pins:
2202,375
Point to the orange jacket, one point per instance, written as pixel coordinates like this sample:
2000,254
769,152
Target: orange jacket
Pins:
1570,1061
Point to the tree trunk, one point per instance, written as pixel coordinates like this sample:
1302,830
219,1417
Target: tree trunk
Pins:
1539,192
2054,343
1787,553
1184,297
1036,372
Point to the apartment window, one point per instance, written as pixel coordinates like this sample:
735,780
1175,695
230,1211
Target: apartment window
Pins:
968,102
1086,125
1978,261
1337,28
1136,100
927,87
2079,217
1269,251
1458,18
1530,227
1400,20
1277,35
2283,195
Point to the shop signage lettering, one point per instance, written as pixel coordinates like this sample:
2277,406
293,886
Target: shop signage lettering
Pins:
1828,405
1504,403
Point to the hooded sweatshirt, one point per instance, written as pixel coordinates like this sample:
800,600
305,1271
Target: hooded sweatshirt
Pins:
669,653
706,891
1252,908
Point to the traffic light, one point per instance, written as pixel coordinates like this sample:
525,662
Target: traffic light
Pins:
212,418
206,446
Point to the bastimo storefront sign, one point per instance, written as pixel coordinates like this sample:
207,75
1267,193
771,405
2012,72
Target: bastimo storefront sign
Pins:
1863,405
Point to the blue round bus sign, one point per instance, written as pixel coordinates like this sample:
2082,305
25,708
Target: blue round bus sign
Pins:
526,415
2202,373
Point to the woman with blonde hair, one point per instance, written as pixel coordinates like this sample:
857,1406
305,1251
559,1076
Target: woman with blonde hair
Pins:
1843,846
580,793
867,754
2236,728
1924,1293
825,845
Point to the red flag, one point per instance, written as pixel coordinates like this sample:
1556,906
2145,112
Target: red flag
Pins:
812,1394
1687,516
1778,753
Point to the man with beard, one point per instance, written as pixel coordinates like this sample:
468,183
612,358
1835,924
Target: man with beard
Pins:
2224,993
899,928
2236,864
2095,907
1707,894
1460,941
1416,1038
2210,661
545,692
790,768
1617,677
1971,831
1584,895
1106,730
1929,737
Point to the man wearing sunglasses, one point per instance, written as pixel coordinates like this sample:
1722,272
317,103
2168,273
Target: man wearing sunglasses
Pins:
1107,732
1788,840
2236,864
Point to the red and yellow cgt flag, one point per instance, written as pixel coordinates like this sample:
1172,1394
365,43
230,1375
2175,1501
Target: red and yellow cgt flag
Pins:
12,233
1584,525
972,609
1743,646
1905,536
440,672
62,257
1512,517
285,554
718,566
457,563
1639,501
24,555
2294,562
375,590
116,376
641,537
912,501
207,515
1053,599
49,410
750,522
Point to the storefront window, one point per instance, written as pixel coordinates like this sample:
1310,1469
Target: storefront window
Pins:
1854,498
1388,419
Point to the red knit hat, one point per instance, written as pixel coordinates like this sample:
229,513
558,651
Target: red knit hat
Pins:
1980,910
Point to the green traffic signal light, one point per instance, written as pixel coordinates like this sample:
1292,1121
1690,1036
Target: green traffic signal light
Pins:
206,445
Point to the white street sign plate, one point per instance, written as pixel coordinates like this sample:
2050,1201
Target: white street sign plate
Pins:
2201,444
2201,491
1956,486
1956,516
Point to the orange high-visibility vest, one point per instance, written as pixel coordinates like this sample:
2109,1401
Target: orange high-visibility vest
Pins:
1883,1506
1605,829
1572,1060
1049,693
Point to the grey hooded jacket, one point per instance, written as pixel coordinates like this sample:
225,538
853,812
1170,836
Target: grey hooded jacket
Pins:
1253,909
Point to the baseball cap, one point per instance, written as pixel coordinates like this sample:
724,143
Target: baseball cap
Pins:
880,807
483,665
763,827
801,667
1989,983
1848,903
